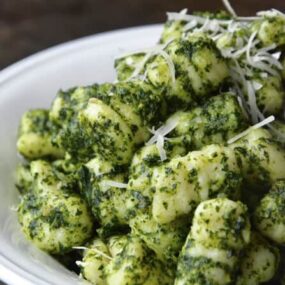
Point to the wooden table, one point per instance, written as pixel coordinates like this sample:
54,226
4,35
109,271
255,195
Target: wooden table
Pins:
27,26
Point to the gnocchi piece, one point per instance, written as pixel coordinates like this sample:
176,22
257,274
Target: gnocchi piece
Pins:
123,260
166,240
270,30
259,263
269,215
95,258
34,139
264,158
181,184
55,222
136,264
220,230
125,66
270,96
52,215
24,179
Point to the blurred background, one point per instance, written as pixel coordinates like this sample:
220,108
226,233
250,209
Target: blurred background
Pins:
28,26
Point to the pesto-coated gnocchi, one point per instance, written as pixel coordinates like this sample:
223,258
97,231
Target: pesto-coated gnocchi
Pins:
52,215
34,139
220,230
269,215
173,173
123,260
259,262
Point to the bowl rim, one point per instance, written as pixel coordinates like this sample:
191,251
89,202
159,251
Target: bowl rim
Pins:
11,272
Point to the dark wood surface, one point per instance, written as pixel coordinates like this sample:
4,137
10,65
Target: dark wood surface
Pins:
27,26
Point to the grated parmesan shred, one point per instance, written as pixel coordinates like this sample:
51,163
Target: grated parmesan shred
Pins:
159,136
254,127
271,13
112,183
80,263
94,249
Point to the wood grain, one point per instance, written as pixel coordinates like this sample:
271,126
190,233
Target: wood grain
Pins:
27,26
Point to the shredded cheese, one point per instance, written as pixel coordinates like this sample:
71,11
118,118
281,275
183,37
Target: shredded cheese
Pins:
229,8
160,145
80,263
159,136
157,50
94,249
271,13
115,184
254,127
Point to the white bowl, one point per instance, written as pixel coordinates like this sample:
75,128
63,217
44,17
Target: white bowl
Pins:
33,83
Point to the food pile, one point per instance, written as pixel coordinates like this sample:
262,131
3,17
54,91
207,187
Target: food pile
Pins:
175,172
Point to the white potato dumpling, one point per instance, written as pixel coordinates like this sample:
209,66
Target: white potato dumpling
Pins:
66,103
202,65
126,65
95,257
115,139
166,240
269,216
34,139
158,72
221,222
270,96
262,158
271,158
108,201
33,146
172,30
259,263
271,30
184,182
173,195
128,113
220,230
215,122
23,177
136,264
55,222
46,179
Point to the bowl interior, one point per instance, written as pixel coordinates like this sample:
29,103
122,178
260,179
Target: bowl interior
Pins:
33,83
